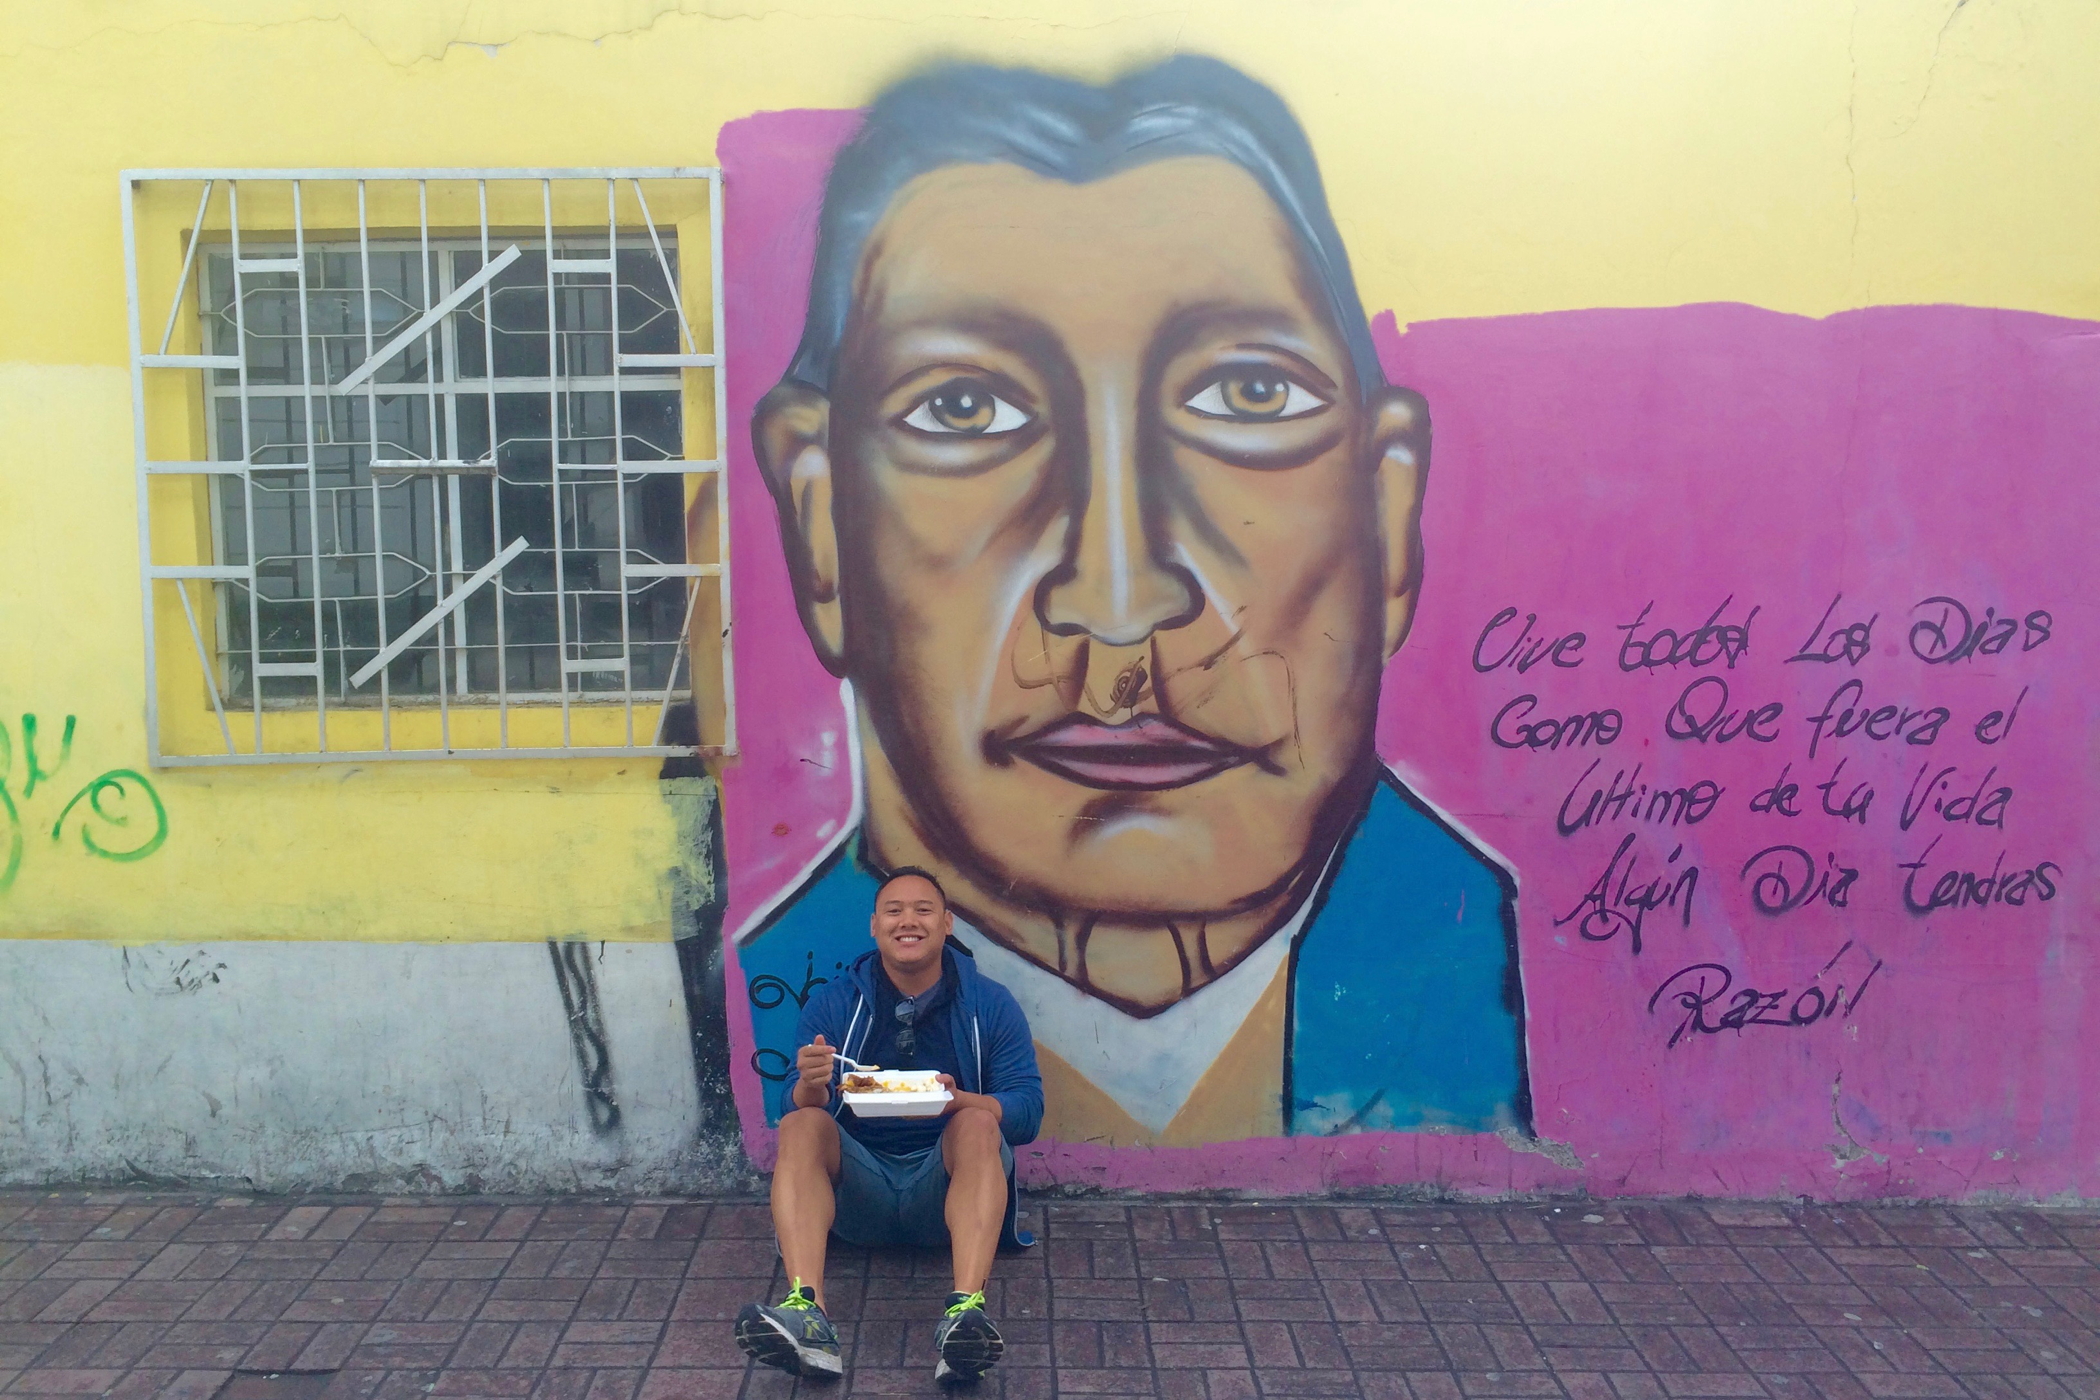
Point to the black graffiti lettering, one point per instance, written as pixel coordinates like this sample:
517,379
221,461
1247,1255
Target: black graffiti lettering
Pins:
1788,877
1703,985
1719,724
1982,806
1698,991
1949,632
1604,912
1857,801
768,991
1845,713
1839,893
1782,797
1929,639
1600,727
1713,640
1966,889
1525,651
1849,643
1995,726
1626,798
1753,1008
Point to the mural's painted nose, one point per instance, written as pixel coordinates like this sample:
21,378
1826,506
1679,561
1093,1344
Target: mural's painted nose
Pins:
1111,586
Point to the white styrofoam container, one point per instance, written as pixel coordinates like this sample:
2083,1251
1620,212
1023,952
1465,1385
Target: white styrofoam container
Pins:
899,1105
927,1098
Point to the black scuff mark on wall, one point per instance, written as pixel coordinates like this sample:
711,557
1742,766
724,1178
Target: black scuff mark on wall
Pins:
578,981
699,890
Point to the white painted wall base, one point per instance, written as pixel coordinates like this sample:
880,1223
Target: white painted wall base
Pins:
367,1066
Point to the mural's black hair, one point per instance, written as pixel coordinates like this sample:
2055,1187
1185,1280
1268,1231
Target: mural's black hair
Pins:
1076,132
924,874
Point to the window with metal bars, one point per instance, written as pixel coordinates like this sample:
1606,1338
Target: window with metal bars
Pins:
415,465
421,478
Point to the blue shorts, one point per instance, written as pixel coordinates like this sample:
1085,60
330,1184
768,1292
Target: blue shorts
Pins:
886,1199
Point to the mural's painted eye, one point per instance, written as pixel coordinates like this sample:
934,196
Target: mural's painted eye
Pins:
1255,396
967,408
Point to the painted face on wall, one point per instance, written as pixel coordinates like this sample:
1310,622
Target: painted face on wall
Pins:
1102,527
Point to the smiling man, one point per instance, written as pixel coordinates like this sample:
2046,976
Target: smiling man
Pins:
910,1004
1091,484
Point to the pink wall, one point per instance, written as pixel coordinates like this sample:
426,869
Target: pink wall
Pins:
1716,462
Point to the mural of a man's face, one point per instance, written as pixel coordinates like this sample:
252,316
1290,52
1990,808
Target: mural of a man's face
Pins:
1099,521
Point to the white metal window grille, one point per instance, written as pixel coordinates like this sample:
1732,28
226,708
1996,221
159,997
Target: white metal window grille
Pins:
442,507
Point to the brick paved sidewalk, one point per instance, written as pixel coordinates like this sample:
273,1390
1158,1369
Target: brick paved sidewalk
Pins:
133,1296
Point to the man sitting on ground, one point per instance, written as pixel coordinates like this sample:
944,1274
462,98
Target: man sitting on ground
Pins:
912,1003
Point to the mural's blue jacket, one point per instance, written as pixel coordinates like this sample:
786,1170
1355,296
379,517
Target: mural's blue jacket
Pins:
992,1043
1406,1008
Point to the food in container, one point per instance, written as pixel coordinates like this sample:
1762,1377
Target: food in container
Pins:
895,1093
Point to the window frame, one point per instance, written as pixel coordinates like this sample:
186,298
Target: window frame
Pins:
444,386
473,724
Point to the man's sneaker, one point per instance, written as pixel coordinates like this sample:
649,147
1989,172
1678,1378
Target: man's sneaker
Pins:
795,1336
967,1342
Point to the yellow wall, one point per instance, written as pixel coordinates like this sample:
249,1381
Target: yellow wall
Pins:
1483,159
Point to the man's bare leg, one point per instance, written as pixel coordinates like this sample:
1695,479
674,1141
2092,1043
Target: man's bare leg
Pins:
976,1194
805,1193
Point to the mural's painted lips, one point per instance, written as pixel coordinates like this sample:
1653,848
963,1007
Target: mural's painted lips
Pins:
1145,754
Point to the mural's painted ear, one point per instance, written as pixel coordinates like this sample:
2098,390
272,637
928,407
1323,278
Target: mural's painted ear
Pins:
1398,445
791,431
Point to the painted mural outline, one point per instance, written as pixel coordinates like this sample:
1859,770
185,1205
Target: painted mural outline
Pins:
1665,539
1092,488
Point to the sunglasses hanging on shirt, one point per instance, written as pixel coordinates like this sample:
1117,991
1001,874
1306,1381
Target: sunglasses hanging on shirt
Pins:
907,1033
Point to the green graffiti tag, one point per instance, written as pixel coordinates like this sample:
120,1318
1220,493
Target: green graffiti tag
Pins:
37,772
113,782
14,841
120,804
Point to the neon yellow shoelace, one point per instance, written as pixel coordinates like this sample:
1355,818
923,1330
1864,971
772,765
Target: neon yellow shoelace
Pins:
975,1300
795,1299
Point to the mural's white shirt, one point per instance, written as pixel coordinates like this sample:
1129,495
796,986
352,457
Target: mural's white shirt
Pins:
1148,1065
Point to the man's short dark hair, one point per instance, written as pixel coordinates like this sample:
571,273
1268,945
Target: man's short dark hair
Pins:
903,870
1076,132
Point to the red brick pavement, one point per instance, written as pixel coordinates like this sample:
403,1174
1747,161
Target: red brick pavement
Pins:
168,1297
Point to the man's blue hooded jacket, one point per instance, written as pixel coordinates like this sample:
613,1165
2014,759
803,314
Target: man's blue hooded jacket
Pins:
992,1043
